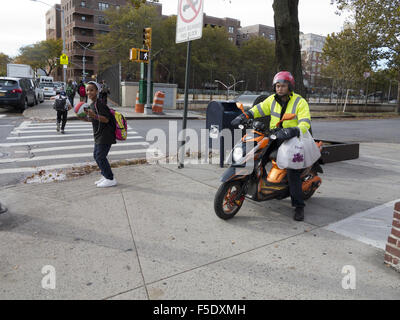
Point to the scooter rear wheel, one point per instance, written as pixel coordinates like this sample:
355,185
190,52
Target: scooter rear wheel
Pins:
225,205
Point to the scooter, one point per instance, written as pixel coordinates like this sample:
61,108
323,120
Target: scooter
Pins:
254,173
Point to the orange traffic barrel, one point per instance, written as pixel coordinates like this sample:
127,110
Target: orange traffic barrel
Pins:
158,102
139,107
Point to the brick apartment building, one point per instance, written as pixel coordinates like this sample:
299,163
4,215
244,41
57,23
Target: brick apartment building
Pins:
232,26
257,30
84,21
311,51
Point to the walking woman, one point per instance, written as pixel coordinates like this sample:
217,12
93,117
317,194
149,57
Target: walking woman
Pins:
82,92
70,92
104,133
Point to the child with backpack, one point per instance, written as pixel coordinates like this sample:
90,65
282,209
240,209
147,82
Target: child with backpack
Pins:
104,127
62,106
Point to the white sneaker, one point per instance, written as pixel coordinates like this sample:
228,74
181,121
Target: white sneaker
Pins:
107,183
100,180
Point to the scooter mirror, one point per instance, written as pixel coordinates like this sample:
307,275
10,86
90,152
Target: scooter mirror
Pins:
286,116
240,106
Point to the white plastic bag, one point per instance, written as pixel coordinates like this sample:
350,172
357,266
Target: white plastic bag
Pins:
311,151
291,154
298,153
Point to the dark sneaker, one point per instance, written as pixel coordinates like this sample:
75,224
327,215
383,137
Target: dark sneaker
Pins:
62,131
299,214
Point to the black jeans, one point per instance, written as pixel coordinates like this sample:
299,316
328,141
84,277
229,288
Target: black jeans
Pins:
295,184
62,118
71,100
100,155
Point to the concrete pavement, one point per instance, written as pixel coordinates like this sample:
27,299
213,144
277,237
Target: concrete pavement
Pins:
156,236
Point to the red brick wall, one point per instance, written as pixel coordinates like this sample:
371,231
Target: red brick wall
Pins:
392,256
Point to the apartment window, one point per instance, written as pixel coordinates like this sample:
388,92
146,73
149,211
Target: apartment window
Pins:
102,20
83,18
271,37
231,29
103,6
231,39
83,4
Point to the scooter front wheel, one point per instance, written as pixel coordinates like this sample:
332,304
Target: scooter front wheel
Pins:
228,200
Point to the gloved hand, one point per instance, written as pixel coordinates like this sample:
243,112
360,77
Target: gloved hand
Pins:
287,133
238,120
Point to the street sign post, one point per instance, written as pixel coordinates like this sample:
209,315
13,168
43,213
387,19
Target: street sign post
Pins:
189,27
189,24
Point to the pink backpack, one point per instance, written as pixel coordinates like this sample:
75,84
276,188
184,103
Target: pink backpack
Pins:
121,126
82,91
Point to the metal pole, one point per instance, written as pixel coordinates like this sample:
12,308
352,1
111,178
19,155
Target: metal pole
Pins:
83,66
63,37
185,110
148,105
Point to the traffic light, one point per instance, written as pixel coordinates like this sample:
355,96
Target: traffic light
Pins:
143,56
133,54
147,37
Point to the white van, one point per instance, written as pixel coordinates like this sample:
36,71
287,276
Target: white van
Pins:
44,79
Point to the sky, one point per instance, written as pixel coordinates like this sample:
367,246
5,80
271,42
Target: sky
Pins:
22,22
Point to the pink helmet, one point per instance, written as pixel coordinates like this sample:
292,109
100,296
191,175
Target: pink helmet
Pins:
284,77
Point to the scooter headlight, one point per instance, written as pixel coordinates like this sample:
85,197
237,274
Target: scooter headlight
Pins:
237,154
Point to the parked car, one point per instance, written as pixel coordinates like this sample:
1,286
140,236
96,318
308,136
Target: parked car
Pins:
16,93
59,86
39,93
49,89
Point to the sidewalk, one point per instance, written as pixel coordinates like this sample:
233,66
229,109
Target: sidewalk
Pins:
45,112
156,236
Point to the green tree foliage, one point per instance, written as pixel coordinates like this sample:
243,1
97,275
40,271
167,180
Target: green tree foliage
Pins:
380,19
4,59
43,55
258,63
348,55
171,62
214,56
126,32
138,3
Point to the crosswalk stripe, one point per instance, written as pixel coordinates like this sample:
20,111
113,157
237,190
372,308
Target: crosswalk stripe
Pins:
84,146
34,131
52,129
57,136
2,115
74,155
50,126
16,144
53,124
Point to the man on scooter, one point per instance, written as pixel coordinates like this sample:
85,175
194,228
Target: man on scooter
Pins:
285,100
